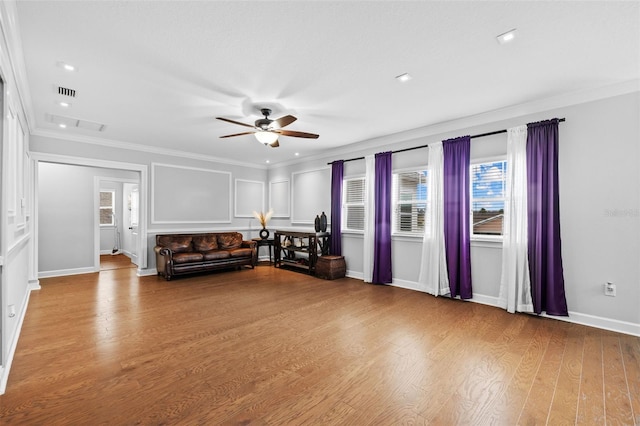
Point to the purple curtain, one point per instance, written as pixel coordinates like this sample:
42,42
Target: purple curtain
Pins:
545,257
382,239
457,238
337,168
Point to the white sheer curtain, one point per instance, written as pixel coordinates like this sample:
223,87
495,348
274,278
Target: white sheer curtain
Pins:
515,285
433,269
369,217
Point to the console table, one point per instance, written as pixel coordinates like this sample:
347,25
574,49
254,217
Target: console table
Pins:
300,250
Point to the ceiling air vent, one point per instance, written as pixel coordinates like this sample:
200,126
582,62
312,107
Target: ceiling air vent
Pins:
66,92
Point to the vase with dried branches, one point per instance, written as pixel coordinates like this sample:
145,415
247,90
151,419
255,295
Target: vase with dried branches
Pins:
263,218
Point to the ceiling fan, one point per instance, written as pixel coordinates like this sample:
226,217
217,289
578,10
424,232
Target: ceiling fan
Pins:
267,130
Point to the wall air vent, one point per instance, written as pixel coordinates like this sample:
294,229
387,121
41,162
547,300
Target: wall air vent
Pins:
64,91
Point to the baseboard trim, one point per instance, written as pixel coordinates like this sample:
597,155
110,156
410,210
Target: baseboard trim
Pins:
623,327
63,272
146,272
34,285
5,369
355,274
574,317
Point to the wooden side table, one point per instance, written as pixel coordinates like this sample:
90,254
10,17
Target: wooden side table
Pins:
268,242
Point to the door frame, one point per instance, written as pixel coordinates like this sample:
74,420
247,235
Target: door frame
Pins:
38,157
127,191
97,184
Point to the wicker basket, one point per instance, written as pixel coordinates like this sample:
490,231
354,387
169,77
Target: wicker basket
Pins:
331,267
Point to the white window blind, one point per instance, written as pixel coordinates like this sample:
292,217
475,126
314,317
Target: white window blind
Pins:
488,185
410,202
353,204
107,207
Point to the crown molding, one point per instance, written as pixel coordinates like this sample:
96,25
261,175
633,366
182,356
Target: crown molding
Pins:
507,113
110,143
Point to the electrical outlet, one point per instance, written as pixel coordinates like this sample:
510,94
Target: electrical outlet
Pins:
610,289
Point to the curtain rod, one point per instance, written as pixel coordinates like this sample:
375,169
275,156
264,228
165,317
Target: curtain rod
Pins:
497,132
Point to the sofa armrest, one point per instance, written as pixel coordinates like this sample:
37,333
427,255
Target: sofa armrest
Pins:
165,252
254,250
249,244
164,260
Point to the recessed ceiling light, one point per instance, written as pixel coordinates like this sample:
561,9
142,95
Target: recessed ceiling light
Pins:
64,104
65,66
296,154
62,126
267,161
403,78
506,37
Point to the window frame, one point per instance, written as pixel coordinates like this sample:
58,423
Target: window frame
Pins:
346,205
475,162
395,202
112,208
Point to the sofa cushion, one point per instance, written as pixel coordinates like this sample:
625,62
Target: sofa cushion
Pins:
216,255
176,243
241,252
229,240
205,242
187,257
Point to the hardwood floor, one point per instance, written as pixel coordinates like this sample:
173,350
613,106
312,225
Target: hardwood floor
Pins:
268,346
115,261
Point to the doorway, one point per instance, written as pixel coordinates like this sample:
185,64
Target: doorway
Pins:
70,216
117,221
109,262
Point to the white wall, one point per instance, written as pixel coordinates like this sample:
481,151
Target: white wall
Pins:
159,188
66,216
599,203
16,226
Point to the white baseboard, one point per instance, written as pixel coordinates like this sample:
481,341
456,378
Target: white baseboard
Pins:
63,272
6,368
574,317
105,252
33,285
599,322
146,272
355,274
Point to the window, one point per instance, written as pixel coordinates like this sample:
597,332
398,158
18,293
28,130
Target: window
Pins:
409,202
134,201
107,207
488,182
353,205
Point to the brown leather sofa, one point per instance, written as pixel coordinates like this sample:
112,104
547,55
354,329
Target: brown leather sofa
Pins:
178,254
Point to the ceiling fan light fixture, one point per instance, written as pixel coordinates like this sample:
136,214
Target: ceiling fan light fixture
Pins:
506,37
266,137
403,78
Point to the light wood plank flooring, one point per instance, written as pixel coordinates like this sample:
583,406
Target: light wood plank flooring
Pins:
274,347
115,261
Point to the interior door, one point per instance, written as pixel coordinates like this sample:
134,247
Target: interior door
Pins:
131,214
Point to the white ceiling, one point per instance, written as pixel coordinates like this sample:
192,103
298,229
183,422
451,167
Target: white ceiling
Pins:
157,73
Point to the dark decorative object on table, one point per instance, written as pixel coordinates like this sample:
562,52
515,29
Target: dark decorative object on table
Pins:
317,223
263,218
264,233
323,222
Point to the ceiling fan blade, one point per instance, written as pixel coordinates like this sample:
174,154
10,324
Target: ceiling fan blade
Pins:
297,134
237,134
235,122
274,144
285,121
